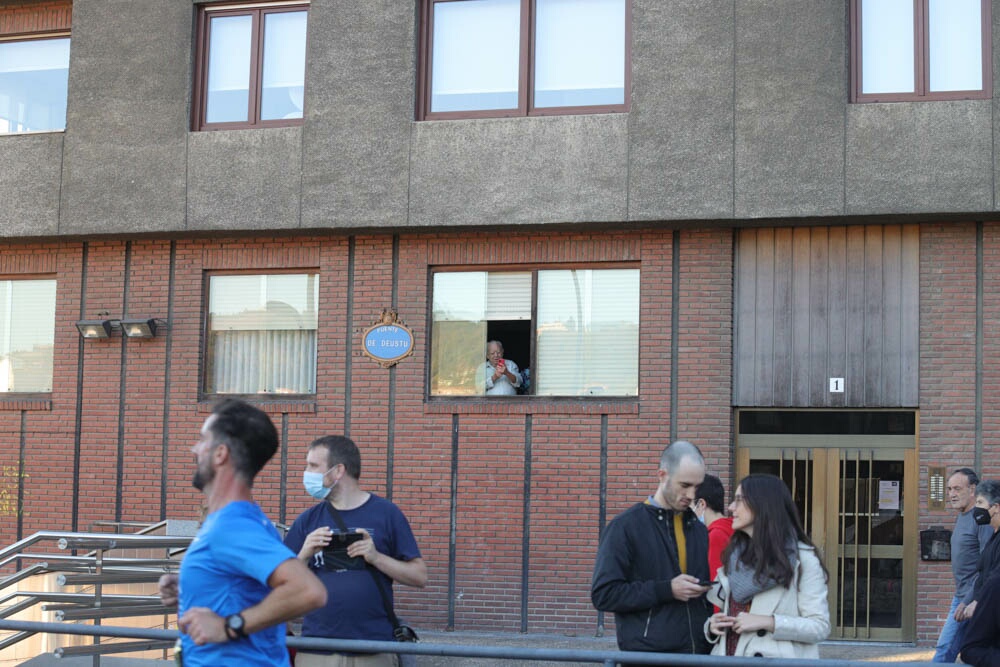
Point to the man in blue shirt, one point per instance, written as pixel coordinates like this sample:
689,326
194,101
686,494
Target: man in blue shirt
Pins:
238,584
381,550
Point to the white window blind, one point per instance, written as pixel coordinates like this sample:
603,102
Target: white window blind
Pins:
588,333
508,296
27,335
262,334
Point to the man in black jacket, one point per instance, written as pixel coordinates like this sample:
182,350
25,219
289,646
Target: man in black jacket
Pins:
981,645
650,560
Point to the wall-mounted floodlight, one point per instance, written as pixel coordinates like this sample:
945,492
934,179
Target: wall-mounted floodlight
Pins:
95,328
139,328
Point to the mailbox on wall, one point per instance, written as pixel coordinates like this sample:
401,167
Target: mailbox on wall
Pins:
935,544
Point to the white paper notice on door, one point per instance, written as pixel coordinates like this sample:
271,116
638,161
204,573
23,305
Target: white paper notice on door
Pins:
888,495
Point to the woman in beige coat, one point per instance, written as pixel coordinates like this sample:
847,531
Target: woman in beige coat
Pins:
772,588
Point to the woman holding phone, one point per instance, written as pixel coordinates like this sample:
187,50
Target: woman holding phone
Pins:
772,586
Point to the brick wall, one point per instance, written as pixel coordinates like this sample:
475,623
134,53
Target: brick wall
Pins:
947,390
29,17
407,442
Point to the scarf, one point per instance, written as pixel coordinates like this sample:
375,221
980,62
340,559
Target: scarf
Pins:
743,584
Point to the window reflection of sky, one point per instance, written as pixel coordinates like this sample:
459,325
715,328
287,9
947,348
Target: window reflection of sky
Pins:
34,77
579,54
954,46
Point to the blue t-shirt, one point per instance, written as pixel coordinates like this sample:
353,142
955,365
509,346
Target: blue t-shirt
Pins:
226,569
354,607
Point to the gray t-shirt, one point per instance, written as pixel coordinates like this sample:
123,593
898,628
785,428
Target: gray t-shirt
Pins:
967,541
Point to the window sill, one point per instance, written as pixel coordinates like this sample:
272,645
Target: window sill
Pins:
16,403
534,405
265,403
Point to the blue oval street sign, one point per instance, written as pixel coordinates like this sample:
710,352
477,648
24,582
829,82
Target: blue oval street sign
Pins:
388,343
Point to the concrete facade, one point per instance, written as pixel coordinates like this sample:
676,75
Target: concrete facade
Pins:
739,116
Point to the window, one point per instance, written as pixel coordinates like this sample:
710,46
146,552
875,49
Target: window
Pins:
920,50
571,332
486,58
251,66
34,76
261,334
27,335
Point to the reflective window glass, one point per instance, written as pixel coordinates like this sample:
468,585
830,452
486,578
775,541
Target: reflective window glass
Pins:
27,335
887,44
524,57
475,55
579,53
34,77
229,69
562,332
284,65
251,66
262,334
955,45
915,50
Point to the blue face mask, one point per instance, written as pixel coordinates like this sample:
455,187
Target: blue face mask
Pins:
313,481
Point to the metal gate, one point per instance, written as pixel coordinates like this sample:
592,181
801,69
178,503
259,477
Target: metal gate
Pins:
857,495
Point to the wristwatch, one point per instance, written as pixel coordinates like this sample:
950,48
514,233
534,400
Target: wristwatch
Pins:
235,627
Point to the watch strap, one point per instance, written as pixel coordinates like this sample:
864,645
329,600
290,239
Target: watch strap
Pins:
235,629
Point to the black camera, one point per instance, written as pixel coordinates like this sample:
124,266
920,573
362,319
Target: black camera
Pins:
335,554
404,633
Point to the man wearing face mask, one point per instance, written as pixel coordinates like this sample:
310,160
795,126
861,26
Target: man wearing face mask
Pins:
324,538
967,542
986,513
709,506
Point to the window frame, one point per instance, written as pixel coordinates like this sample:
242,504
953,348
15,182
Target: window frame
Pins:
8,396
205,366
921,59
532,397
38,37
199,99
525,82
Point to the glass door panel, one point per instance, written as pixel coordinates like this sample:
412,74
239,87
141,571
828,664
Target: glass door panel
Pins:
858,506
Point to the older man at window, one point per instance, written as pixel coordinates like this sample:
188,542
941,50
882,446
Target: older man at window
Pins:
498,376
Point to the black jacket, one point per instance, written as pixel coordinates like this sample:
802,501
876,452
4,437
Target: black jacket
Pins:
981,643
636,560
989,566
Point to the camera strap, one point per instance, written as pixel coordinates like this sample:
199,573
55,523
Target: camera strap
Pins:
379,584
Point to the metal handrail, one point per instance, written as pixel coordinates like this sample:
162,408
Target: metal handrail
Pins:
606,657
90,541
110,577
91,569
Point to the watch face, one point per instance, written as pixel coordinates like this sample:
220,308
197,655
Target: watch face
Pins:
235,622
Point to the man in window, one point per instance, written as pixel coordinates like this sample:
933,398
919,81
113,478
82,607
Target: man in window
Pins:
498,376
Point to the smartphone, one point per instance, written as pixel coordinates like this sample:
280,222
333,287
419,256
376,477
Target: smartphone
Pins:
705,582
335,554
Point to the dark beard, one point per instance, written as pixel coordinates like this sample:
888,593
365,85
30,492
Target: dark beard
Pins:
199,480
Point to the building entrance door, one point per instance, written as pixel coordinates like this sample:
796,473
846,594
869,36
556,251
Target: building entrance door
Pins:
857,494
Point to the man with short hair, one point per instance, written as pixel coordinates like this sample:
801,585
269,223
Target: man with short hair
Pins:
358,574
498,376
967,541
238,584
651,559
710,507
